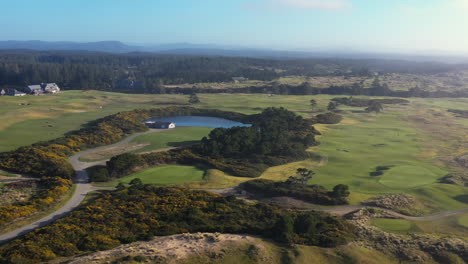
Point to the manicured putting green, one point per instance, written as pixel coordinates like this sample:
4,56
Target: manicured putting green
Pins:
408,176
392,225
463,220
166,175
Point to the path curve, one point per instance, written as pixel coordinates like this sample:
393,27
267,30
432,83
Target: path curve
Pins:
83,187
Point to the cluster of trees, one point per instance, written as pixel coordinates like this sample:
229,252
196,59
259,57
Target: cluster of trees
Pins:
328,118
275,137
75,70
50,190
307,89
297,187
360,102
140,212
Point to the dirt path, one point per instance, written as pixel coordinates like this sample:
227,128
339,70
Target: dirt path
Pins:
83,187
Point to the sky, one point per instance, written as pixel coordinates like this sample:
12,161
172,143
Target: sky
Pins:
349,25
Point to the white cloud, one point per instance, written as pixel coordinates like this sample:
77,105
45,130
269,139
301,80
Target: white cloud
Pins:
316,4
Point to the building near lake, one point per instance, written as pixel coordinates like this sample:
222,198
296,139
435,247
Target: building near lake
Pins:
160,125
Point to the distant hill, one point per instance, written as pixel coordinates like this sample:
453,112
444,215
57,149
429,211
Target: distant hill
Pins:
214,50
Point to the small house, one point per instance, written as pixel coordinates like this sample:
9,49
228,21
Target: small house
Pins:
160,125
51,88
14,92
34,89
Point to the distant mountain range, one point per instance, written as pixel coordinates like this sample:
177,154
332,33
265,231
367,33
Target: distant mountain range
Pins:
213,50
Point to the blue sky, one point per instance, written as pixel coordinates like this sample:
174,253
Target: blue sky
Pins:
365,25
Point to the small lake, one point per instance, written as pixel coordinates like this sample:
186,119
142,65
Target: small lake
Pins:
200,121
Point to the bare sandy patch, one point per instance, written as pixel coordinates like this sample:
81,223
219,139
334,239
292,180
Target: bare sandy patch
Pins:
171,249
106,153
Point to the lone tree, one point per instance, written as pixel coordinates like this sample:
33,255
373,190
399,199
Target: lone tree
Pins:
302,176
340,191
374,106
194,99
332,106
313,103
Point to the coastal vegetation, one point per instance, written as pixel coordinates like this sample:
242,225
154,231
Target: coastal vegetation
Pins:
140,212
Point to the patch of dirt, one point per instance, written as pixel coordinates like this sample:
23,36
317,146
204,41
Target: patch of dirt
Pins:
176,248
109,152
403,203
17,192
414,248
462,160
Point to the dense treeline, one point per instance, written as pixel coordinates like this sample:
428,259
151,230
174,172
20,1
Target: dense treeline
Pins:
360,102
306,89
142,211
50,190
100,71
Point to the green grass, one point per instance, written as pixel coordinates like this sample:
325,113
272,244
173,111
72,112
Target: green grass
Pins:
7,174
393,225
356,149
49,117
180,136
407,176
163,175
463,221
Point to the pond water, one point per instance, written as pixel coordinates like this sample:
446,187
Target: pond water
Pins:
200,121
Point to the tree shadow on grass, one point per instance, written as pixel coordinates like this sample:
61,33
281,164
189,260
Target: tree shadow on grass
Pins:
183,143
462,198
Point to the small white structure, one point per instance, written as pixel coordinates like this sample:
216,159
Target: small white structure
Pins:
160,125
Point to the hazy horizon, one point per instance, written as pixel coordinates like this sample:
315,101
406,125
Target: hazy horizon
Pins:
416,26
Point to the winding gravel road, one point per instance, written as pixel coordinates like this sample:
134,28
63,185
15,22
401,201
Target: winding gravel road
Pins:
83,187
